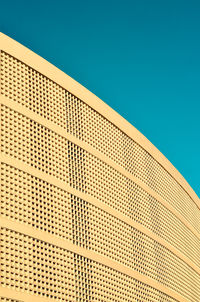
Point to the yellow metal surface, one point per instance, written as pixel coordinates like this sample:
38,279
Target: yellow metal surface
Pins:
90,209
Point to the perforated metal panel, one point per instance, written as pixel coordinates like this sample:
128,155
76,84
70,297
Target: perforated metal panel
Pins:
26,86
53,210
88,125
23,84
106,284
87,213
35,202
37,267
49,208
33,270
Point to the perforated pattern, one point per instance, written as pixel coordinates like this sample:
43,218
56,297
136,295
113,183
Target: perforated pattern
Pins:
83,278
93,228
34,144
49,271
81,225
30,88
33,90
152,259
94,177
106,284
39,268
91,127
36,267
35,202
115,239
32,201
162,222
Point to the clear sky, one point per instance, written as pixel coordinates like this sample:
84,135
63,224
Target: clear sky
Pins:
141,57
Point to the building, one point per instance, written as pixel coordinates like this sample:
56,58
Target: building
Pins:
90,209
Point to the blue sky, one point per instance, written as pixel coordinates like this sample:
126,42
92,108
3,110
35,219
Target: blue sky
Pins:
140,57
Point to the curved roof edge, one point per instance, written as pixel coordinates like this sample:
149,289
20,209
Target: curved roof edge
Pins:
38,63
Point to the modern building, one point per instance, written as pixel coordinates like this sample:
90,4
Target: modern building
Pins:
90,209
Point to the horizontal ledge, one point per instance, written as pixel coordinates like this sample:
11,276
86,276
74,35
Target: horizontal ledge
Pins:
43,236
41,65
66,187
56,129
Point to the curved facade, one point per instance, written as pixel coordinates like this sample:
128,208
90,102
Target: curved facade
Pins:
90,209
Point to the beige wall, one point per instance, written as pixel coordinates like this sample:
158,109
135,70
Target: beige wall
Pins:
90,209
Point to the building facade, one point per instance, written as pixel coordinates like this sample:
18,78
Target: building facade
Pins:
90,209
